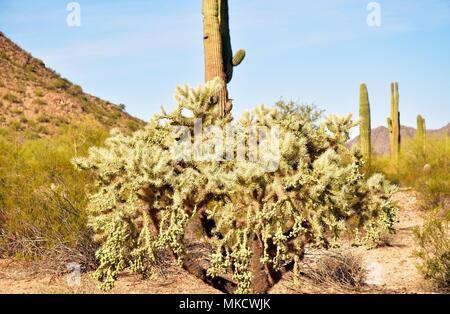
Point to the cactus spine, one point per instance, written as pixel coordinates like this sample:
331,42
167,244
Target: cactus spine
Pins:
219,59
394,124
364,125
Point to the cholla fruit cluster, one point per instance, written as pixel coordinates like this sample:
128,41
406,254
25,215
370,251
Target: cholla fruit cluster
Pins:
258,221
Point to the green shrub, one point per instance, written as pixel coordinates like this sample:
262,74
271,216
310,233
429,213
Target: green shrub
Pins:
43,119
75,90
433,240
39,93
12,98
39,102
15,125
146,198
426,168
42,198
59,84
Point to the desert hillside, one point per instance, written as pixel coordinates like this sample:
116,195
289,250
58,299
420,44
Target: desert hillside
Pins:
38,100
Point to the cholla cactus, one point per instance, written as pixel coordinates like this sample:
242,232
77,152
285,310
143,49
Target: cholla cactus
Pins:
257,221
364,124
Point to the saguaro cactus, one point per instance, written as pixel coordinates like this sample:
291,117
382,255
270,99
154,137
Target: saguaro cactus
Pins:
421,128
394,124
364,124
421,134
219,59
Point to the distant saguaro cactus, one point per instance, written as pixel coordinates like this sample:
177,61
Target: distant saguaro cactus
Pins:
394,124
364,124
421,129
219,59
421,133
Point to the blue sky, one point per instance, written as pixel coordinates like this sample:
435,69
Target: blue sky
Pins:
135,52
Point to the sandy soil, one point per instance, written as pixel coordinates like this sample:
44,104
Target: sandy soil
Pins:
392,269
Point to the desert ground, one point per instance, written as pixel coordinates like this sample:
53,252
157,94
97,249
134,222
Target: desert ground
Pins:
391,269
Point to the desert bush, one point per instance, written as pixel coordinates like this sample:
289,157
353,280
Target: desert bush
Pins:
425,167
43,119
42,198
253,218
39,93
12,98
339,269
433,240
40,102
15,125
75,90
59,84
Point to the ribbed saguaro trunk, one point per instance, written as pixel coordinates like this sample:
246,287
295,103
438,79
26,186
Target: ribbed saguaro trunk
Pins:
219,59
421,128
394,124
364,126
421,135
213,46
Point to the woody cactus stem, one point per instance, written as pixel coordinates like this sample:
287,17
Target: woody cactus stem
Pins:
219,59
394,124
364,126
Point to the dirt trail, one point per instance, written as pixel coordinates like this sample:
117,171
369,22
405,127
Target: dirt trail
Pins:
391,269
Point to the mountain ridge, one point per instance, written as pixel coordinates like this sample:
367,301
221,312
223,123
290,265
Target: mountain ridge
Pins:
380,137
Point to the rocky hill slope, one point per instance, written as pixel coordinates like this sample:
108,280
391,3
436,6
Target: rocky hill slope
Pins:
36,100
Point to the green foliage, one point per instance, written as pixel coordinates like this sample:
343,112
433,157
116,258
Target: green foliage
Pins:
12,98
434,248
42,198
425,167
59,84
75,90
40,102
43,119
318,187
39,93
364,124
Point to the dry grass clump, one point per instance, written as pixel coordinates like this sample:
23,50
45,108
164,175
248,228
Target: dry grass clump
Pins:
339,269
